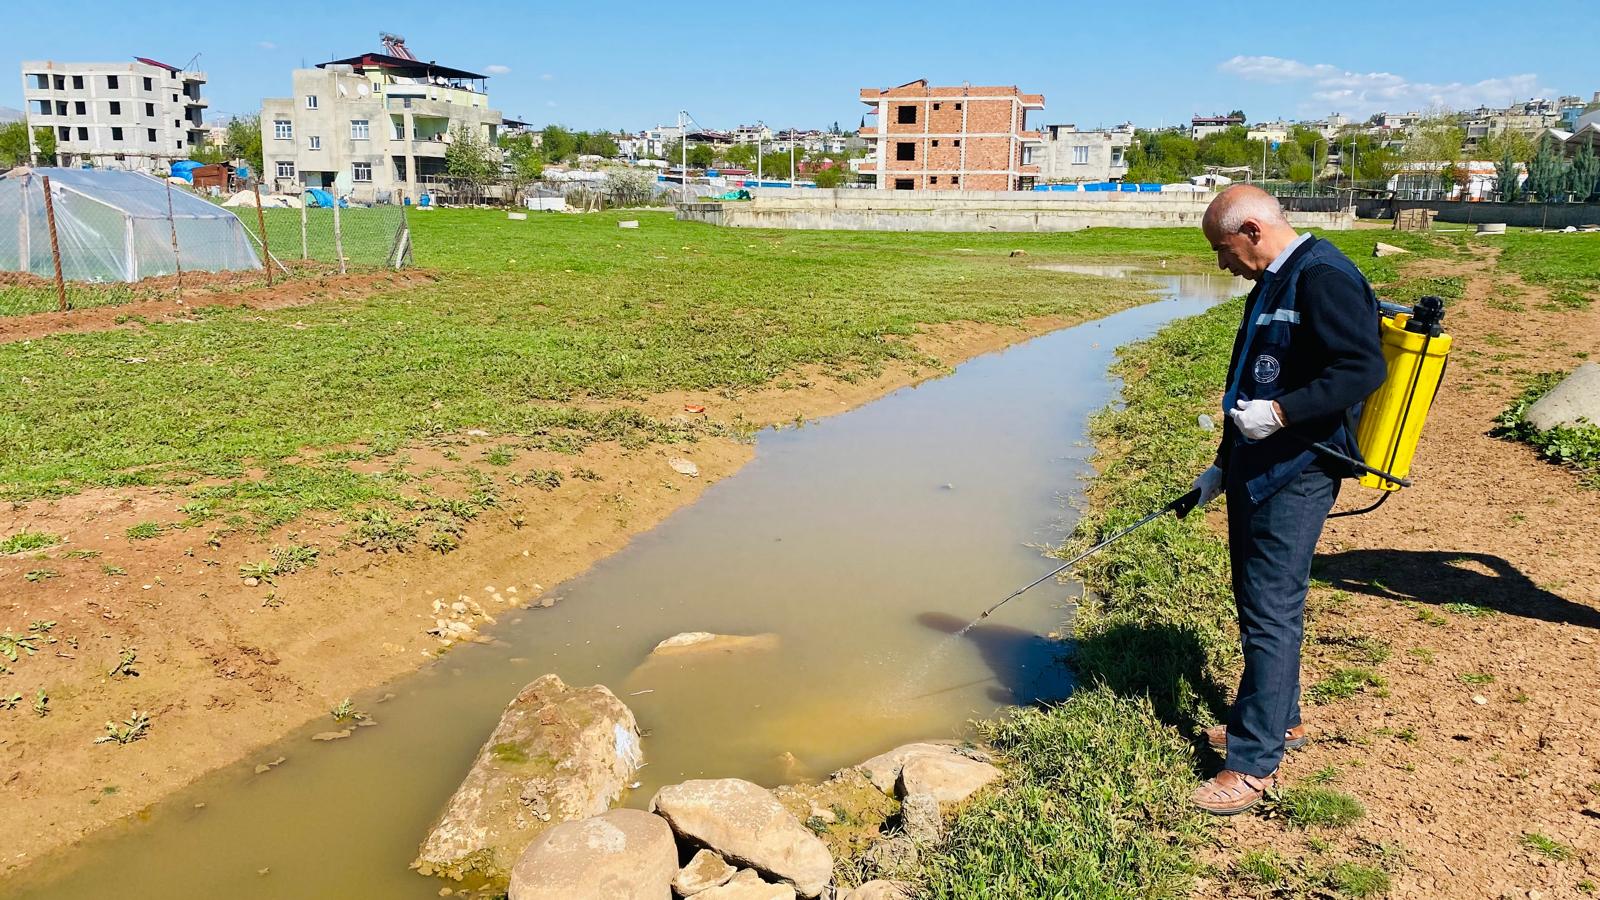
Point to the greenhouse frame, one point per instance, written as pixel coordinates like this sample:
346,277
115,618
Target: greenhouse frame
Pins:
115,226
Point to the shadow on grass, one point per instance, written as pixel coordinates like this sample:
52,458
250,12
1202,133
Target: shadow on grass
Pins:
1438,578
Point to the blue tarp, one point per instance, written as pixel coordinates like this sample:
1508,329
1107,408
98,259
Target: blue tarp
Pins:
323,199
184,168
1118,186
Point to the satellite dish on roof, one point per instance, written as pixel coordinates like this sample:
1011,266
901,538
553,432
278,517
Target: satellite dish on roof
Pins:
341,184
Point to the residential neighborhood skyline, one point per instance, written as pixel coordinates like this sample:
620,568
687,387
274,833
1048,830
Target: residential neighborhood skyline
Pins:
809,80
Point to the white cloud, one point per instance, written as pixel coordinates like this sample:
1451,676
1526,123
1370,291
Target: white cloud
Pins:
1340,90
266,45
497,69
547,77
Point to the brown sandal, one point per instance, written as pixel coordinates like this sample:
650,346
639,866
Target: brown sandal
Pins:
1231,793
1293,739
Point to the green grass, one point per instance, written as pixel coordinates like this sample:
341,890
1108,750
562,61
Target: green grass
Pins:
1351,879
1317,807
25,541
1569,264
1547,847
1343,684
527,319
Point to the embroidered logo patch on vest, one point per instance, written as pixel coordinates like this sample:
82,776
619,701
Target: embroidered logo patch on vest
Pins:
1266,369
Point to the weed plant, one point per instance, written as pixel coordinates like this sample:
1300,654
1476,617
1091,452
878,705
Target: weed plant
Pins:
1576,446
1311,806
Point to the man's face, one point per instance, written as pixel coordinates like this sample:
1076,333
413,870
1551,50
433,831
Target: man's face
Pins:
1237,252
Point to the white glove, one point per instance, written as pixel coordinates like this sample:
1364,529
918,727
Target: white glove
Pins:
1209,484
1255,419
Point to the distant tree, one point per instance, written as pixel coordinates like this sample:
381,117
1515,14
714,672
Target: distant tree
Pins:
597,143
1584,175
1237,114
831,177
469,159
742,155
13,144
241,140
1438,141
558,143
835,128
1496,146
1162,156
1547,173
45,138
1505,177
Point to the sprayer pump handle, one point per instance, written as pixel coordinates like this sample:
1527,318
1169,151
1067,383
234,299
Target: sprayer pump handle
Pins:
1184,504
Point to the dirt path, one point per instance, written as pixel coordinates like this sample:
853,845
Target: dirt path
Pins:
1484,731
227,664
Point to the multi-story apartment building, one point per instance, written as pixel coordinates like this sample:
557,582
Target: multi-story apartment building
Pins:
1068,154
138,115
751,134
951,138
384,119
1200,126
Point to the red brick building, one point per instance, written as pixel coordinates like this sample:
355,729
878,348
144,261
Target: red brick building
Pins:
965,138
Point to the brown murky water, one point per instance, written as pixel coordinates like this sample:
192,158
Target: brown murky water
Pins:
863,542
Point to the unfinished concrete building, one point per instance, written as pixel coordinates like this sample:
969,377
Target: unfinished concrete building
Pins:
965,138
384,119
138,115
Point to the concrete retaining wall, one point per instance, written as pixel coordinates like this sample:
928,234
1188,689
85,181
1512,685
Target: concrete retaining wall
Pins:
1009,211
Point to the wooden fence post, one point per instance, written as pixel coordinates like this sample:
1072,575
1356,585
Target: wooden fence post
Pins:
261,220
172,225
338,235
55,245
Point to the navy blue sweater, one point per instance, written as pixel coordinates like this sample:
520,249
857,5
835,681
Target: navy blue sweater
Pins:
1336,359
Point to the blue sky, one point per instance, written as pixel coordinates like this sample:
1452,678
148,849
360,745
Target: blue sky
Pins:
631,65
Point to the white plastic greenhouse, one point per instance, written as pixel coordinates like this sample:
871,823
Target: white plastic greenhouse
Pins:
115,226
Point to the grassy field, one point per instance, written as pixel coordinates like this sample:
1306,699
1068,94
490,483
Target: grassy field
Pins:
526,318
1569,264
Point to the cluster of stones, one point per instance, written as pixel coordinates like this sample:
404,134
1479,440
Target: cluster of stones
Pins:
535,810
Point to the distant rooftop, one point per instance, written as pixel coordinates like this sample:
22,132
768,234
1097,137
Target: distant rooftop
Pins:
402,66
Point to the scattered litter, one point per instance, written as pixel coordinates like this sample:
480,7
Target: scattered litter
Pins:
517,217
645,691
684,467
1016,253
693,408
134,360
477,432
1382,249
628,223
1205,422
332,735
1479,699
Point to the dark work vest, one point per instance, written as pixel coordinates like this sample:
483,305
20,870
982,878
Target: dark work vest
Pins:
1270,324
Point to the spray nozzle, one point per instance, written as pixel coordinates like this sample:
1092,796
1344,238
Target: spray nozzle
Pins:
1426,316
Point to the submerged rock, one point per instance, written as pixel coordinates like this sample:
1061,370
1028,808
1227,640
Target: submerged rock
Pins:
707,642
558,754
747,825
625,854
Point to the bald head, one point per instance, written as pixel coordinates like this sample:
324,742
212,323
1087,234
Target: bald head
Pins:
1246,228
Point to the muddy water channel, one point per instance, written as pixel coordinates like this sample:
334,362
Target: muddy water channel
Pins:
863,542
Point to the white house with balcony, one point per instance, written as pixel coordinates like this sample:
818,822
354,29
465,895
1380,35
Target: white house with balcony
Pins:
1070,155
386,120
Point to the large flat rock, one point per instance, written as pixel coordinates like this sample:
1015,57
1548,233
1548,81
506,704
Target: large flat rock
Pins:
948,779
1575,401
691,643
884,769
558,754
625,854
747,825
748,885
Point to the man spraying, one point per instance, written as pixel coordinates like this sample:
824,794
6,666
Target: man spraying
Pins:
1307,354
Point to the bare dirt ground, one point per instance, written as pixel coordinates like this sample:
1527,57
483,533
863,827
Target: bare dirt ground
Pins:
225,666
1484,730
161,300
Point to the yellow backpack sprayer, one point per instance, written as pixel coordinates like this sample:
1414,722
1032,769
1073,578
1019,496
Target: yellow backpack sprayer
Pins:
1415,350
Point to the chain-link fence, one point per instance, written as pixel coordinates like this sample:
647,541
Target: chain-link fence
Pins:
76,239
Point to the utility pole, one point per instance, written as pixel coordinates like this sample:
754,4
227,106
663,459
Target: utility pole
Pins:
758,154
791,157
683,146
